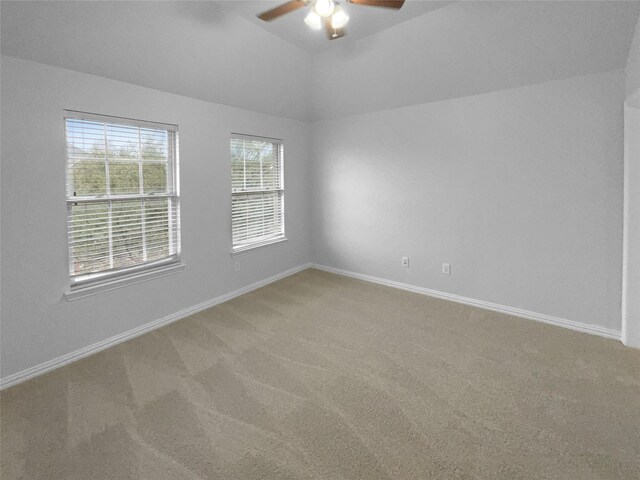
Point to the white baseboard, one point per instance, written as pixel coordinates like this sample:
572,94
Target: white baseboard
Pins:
517,312
32,372
29,373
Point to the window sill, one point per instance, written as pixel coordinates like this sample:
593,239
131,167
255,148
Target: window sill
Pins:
80,291
253,246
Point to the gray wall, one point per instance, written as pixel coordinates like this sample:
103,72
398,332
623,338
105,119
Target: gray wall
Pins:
631,274
519,190
633,64
38,324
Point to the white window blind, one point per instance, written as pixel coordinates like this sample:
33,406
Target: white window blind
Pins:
257,207
122,196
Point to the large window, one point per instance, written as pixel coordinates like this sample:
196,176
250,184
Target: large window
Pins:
122,196
257,207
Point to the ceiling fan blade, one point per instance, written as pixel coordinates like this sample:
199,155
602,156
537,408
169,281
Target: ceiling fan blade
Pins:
380,3
281,10
333,33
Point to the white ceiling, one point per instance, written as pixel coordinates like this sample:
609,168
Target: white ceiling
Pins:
469,48
188,48
219,52
363,21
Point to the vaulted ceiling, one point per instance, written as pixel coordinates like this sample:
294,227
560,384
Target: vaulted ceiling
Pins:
364,21
218,51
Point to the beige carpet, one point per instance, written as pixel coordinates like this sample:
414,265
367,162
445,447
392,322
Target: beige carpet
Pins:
322,377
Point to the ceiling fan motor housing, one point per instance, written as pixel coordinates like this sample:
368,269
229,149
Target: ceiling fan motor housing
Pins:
328,12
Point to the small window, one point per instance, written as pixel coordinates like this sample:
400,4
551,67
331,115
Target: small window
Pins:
122,196
257,204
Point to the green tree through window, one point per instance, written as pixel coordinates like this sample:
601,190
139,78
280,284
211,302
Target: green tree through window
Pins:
257,206
121,194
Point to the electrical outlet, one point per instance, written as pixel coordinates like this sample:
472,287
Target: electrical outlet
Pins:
405,261
236,266
446,269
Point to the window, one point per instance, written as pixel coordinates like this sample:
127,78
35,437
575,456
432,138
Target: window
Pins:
122,196
257,204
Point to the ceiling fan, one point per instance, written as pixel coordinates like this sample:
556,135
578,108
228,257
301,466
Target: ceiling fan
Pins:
326,12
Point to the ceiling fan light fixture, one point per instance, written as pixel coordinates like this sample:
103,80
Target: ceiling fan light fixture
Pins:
313,20
339,18
324,8
327,14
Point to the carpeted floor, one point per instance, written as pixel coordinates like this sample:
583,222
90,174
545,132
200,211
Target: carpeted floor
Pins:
323,377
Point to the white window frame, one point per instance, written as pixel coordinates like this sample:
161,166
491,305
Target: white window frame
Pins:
81,285
238,248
